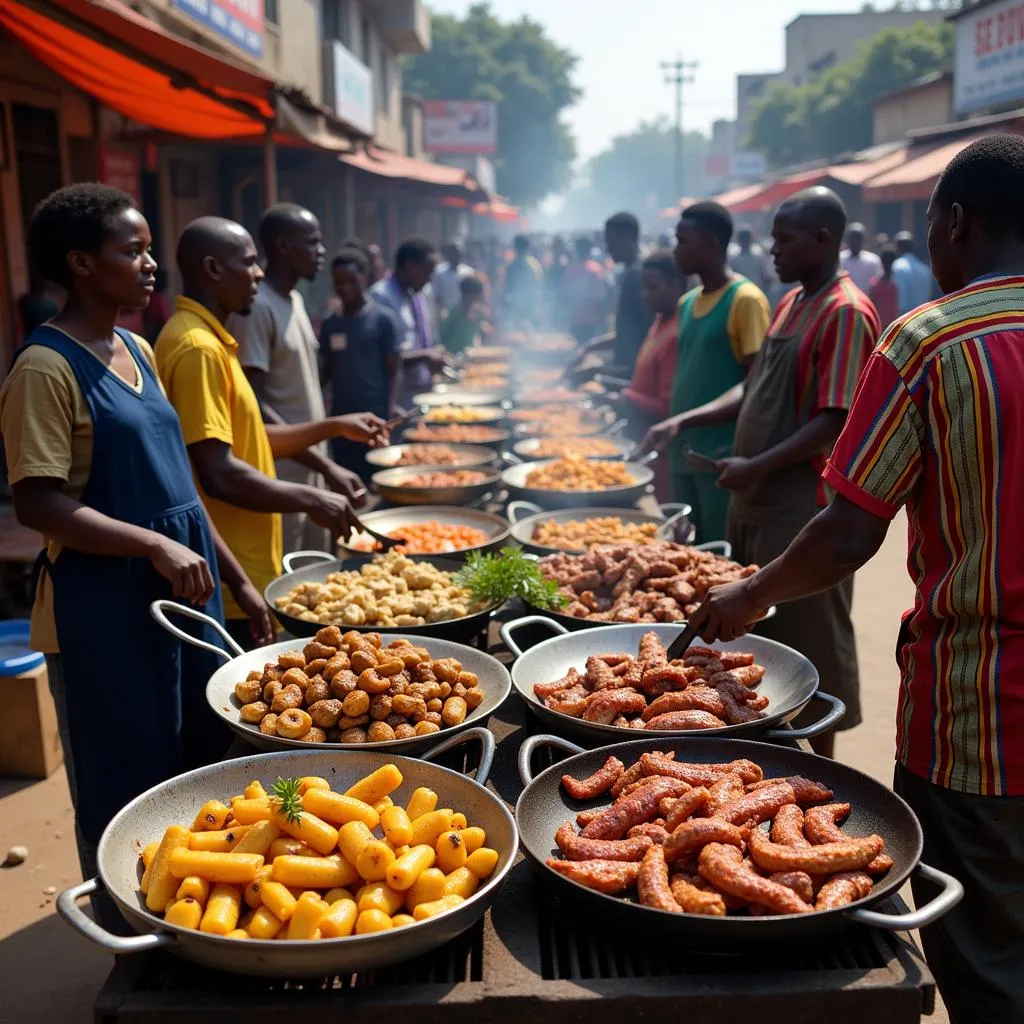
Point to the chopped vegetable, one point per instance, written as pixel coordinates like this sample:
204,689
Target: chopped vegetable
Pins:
287,793
506,574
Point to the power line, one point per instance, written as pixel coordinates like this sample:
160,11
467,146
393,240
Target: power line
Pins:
678,73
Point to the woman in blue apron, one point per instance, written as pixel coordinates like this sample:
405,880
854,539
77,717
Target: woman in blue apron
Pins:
98,466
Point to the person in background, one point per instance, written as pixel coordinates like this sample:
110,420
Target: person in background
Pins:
747,258
554,278
914,280
883,292
524,285
466,324
861,264
584,294
231,449
936,428
278,350
378,265
402,294
98,466
358,354
445,283
881,241
158,312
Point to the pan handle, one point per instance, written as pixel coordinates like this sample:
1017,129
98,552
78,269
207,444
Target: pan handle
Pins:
288,560
951,894
158,610
520,510
529,747
645,460
617,427
67,907
509,629
487,748
512,460
718,547
831,718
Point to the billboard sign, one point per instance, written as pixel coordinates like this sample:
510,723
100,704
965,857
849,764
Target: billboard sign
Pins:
353,89
238,21
989,66
748,166
460,126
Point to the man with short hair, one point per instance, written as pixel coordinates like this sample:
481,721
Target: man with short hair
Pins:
746,257
861,264
936,427
914,281
524,285
402,293
445,282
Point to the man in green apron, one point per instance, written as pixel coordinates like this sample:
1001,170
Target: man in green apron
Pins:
721,327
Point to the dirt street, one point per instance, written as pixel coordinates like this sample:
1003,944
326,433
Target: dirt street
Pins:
49,974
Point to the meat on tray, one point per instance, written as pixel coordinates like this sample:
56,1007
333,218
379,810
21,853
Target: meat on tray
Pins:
655,582
734,844
706,689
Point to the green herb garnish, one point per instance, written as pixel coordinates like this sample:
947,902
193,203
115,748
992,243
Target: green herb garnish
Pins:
508,573
289,800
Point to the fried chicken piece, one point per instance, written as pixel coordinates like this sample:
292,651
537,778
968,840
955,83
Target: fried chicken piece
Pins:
576,847
723,867
826,859
604,707
594,785
693,900
652,882
607,876
843,889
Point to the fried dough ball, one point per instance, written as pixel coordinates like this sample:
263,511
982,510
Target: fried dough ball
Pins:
254,713
293,724
325,713
269,725
249,691
289,697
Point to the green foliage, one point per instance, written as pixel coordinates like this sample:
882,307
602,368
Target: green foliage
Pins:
832,114
516,64
285,792
498,577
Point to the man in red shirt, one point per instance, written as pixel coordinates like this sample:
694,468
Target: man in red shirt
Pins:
883,291
937,426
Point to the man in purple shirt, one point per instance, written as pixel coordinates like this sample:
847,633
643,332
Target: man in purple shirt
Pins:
401,292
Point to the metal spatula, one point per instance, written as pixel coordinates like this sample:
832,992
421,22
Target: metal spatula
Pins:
678,647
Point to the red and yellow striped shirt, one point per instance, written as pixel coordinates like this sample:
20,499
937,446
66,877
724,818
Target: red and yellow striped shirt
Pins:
938,425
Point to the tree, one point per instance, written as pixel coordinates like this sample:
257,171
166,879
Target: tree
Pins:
517,65
832,114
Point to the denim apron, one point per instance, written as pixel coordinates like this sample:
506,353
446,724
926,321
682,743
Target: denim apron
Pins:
135,709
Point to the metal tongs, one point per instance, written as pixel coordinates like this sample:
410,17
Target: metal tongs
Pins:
679,646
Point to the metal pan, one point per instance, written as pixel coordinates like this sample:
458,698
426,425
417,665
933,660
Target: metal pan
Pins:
544,806
464,629
489,414
452,394
541,396
790,680
527,448
177,800
386,520
390,485
501,437
473,456
220,690
525,517
514,479
601,422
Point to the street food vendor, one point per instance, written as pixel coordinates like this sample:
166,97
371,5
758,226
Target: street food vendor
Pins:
937,426
788,413
98,466
231,449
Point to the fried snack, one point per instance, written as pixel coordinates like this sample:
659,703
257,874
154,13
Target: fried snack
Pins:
723,867
693,900
600,782
694,801
806,791
632,810
697,774
607,876
757,806
558,421
484,383
459,414
820,827
432,455
788,827
483,352
427,538
390,591
576,847
456,433
799,881
588,447
828,858
652,882
459,478
575,473
393,693
843,889
685,720
725,790
696,833
578,535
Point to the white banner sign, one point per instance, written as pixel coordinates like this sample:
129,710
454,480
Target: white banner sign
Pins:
747,166
989,66
460,126
353,89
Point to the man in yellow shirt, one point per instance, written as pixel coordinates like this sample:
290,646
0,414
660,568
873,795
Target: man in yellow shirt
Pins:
231,450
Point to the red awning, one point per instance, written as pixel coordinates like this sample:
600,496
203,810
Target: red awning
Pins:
406,168
738,194
862,172
770,196
497,209
916,177
133,66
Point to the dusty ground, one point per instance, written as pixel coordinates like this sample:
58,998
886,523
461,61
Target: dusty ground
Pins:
47,973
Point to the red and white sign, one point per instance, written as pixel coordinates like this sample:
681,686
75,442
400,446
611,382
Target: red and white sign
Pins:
460,126
989,67
119,167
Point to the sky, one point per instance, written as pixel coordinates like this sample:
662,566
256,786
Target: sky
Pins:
620,45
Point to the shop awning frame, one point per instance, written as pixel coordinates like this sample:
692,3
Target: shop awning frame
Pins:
453,181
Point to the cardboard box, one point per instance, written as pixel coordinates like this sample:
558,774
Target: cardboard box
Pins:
29,740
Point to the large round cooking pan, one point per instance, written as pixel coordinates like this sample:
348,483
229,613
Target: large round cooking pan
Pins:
500,437
385,520
452,394
790,680
391,485
528,447
544,806
471,456
514,479
525,517
466,628
533,396
596,421
220,690
489,413
146,817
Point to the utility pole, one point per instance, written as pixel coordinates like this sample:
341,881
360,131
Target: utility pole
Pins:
678,73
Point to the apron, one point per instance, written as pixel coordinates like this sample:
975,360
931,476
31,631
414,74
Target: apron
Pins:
765,518
135,699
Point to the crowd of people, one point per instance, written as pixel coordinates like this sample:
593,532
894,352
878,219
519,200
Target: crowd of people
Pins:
803,396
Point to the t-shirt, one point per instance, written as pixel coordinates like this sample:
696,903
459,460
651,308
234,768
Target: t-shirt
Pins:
885,297
445,285
584,293
750,263
838,327
197,360
48,432
651,387
632,318
914,281
414,331
358,347
862,268
459,331
937,425
749,316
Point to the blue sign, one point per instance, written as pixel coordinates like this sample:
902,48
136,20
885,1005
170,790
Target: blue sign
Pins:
239,21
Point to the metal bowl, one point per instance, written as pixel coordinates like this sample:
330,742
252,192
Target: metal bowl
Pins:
452,394
527,448
515,482
501,436
386,520
390,485
602,421
476,455
489,413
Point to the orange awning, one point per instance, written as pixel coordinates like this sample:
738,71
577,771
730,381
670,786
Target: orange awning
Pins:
738,194
386,164
499,210
144,73
767,197
862,172
915,178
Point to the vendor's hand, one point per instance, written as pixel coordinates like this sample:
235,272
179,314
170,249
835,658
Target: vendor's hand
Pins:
346,483
364,427
438,358
187,572
256,611
332,512
727,612
737,473
660,436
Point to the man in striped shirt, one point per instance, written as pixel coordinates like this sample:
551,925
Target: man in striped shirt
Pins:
938,426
